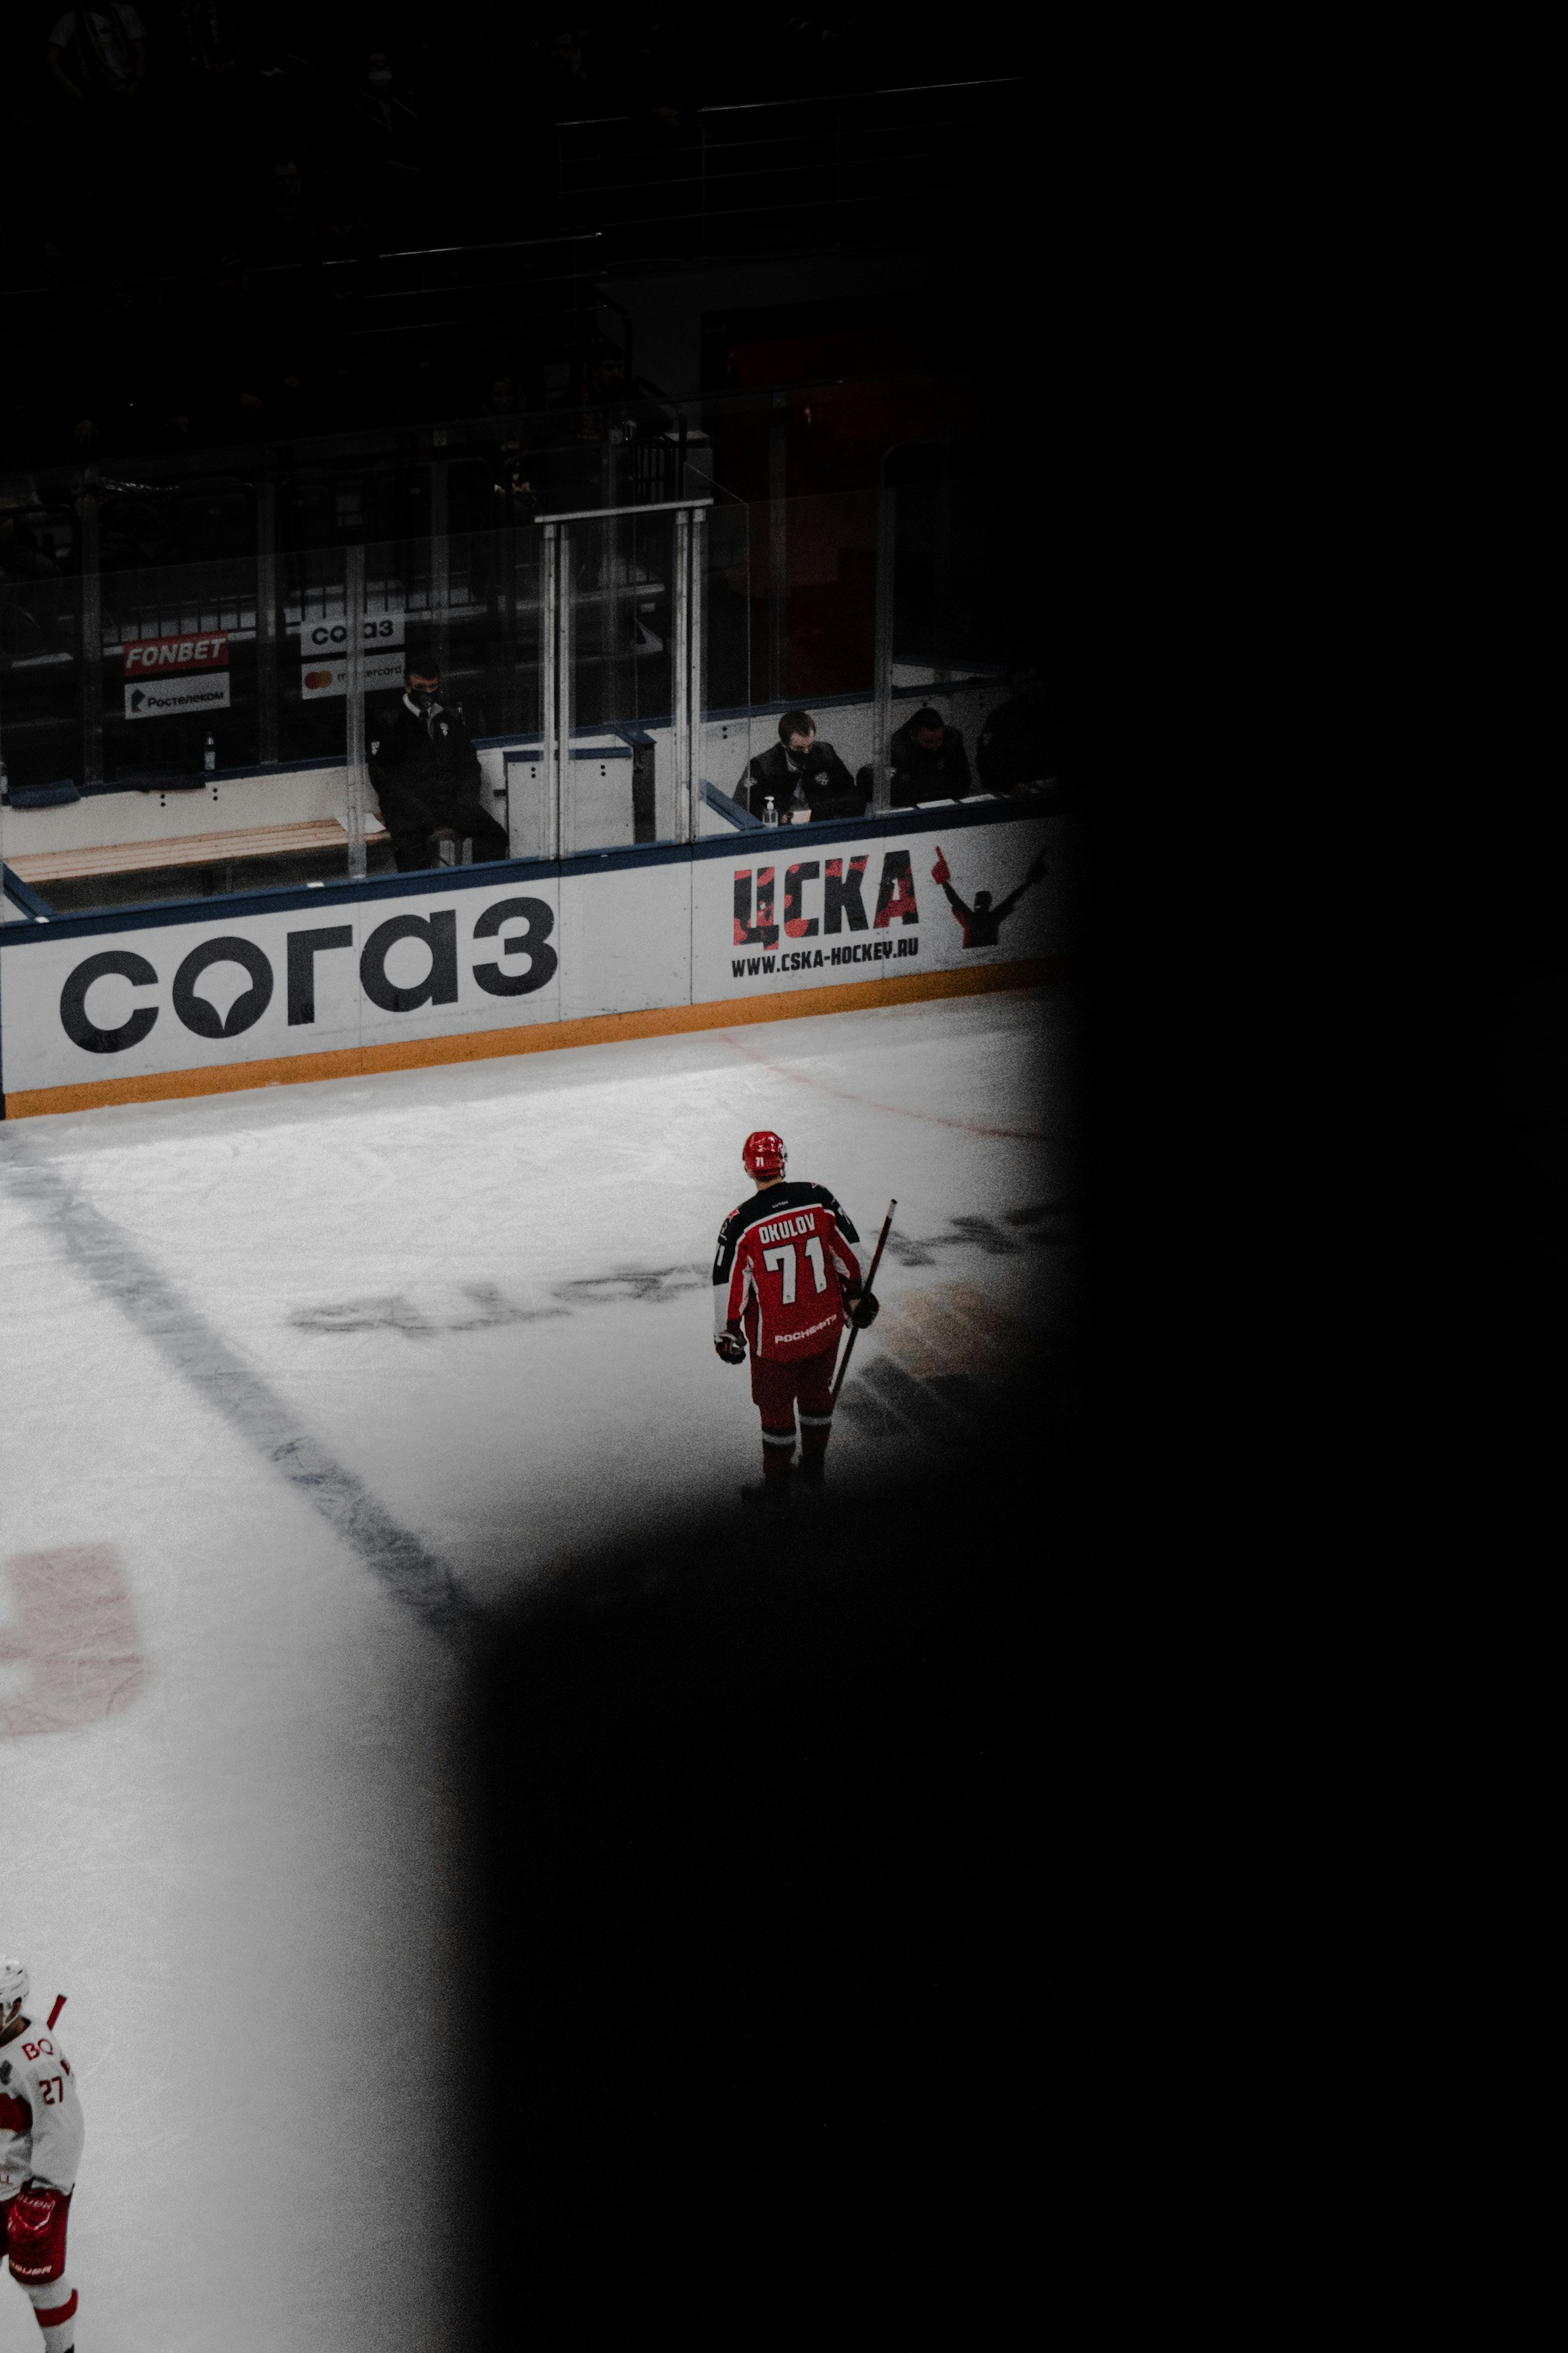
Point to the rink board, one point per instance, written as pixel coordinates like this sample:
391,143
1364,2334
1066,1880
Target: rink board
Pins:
287,986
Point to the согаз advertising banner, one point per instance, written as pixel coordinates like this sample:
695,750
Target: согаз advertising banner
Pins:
675,939
262,986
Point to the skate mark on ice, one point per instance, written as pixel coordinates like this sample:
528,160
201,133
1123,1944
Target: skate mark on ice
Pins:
367,1316
494,1309
979,1233
399,1313
624,1282
73,1636
867,1103
622,1285
112,1263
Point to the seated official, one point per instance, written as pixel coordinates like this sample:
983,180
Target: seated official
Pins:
1018,745
802,778
425,773
927,761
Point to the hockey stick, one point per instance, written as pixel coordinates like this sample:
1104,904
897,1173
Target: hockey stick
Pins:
871,1279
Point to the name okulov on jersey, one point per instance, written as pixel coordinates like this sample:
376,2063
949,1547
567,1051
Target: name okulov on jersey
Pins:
840,907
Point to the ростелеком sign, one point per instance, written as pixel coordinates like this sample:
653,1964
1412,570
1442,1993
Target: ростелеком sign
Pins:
173,674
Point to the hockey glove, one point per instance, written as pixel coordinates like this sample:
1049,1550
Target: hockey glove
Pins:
864,1310
732,1347
35,2228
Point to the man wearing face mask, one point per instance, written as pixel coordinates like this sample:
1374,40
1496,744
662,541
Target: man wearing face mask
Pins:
387,122
425,775
802,778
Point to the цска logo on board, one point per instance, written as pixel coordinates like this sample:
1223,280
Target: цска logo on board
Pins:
842,907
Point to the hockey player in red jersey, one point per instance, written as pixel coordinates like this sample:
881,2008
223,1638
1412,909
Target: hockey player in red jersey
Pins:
786,1279
40,2148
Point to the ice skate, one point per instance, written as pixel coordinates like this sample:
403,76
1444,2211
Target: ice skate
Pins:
772,1494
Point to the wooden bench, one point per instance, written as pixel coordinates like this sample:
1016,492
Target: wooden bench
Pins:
37,866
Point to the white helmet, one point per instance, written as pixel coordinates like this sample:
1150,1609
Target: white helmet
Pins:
13,1984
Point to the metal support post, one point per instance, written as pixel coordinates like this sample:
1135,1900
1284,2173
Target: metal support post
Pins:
696,655
565,696
778,545
354,689
555,646
549,830
506,543
882,682
89,650
440,562
616,674
266,619
680,683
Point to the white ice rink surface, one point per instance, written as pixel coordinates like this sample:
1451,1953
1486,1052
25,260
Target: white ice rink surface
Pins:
273,1366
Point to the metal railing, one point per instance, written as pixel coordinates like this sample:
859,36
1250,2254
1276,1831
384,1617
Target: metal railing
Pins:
852,162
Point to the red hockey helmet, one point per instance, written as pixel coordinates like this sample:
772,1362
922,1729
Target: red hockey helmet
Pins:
762,1154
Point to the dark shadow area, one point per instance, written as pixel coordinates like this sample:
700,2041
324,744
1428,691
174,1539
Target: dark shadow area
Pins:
789,1857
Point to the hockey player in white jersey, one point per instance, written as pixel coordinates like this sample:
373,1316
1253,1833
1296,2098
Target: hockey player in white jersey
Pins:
40,2148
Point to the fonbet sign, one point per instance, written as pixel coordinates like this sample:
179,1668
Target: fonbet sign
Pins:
166,674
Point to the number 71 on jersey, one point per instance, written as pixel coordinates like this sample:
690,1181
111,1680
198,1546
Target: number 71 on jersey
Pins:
784,1264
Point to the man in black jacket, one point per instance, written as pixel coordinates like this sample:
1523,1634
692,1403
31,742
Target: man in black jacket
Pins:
425,773
802,778
1019,743
927,761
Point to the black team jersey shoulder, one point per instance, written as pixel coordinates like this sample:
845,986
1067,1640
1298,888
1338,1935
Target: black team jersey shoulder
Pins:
764,1206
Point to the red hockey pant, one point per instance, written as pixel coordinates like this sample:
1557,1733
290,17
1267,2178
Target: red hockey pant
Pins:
42,2279
776,1386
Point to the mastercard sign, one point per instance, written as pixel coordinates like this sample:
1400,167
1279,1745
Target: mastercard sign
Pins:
383,667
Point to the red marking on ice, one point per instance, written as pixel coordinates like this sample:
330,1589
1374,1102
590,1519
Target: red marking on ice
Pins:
75,1629
59,2005
932,1118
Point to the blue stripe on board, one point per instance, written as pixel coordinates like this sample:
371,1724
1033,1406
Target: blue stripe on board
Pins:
285,898
436,881
21,894
868,829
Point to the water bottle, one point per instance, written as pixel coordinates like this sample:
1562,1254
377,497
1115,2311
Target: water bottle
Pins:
770,814
209,761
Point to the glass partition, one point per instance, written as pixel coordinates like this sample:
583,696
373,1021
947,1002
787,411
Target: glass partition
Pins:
217,727
185,730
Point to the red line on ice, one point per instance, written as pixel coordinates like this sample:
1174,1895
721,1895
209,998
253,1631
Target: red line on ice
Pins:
932,1118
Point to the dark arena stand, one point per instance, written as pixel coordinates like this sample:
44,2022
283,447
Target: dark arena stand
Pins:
533,642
